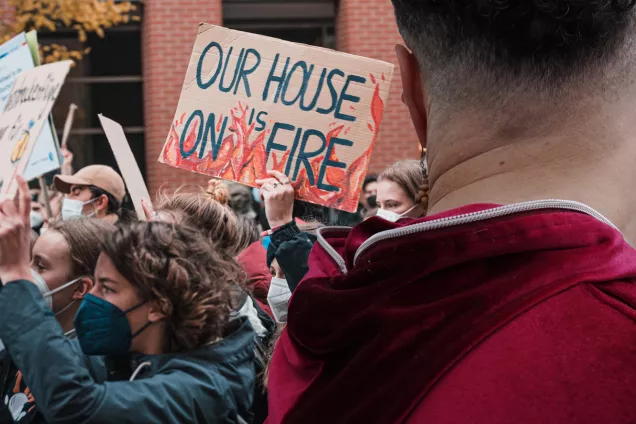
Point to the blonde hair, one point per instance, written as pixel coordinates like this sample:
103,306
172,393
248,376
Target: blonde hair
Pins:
407,174
412,177
208,212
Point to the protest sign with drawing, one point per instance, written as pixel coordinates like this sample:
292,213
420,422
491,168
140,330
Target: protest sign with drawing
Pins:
26,112
251,103
127,164
16,56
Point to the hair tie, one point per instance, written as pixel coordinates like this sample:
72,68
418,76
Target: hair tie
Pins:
218,191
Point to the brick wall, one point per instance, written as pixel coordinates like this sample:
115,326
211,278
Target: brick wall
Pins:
367,28
6,13
169,31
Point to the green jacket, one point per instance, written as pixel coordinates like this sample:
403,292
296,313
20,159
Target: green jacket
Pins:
8,373
213,384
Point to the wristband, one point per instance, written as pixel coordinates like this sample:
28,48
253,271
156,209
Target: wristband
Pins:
276,228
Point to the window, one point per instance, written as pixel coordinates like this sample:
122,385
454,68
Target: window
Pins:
307,22
107,81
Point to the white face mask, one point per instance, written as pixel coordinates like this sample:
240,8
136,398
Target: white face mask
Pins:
392,216
278,298
48,294
36,219
73,209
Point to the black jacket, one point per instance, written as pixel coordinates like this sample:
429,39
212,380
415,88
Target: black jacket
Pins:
291,248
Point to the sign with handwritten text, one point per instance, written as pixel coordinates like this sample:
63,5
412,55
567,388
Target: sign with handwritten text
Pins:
16,56
26,112
251,103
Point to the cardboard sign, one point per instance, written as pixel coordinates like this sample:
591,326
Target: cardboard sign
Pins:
127,164
252,103
16,56
26,112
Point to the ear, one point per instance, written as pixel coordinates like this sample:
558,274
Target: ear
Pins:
102,203
84,286
413,94
155,314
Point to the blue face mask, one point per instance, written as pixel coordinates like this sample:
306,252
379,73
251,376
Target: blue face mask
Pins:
103,329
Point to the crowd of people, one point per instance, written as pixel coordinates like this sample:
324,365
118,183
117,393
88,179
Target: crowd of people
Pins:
492,281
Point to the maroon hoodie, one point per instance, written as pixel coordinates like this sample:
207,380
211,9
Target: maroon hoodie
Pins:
517,314
254,263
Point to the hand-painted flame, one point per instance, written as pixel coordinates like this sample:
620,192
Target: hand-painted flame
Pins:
244,160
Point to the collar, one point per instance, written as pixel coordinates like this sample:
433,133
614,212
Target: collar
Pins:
453,218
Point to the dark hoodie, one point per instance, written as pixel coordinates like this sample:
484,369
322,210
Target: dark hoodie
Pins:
213,384
520,314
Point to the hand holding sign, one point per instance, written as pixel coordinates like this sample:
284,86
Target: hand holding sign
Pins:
67,164
149,211
278,196
310,113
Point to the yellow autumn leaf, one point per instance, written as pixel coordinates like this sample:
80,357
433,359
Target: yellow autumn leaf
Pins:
84,16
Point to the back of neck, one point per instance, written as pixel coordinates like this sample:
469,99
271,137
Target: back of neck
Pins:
583,153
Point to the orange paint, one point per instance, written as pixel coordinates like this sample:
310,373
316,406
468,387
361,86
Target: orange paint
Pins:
243,158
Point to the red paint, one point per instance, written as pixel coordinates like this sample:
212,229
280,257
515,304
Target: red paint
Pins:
243,158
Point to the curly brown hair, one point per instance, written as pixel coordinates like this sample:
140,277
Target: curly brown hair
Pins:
187,278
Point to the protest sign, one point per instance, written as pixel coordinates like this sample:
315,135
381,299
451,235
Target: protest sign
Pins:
26,111
127,164
16,56
251,103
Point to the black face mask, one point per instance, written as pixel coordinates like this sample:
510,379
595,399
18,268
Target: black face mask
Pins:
372,201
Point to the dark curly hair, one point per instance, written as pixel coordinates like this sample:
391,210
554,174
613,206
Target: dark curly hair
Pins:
185,276
545,41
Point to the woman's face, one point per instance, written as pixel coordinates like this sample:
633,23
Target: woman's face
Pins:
51,258
392,197
114,288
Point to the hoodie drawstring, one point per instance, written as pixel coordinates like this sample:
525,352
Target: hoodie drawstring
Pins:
138,370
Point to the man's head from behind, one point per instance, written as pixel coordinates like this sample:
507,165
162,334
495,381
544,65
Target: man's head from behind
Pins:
482,50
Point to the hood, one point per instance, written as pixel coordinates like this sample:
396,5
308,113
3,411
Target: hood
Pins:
386,307
231,358
234,348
